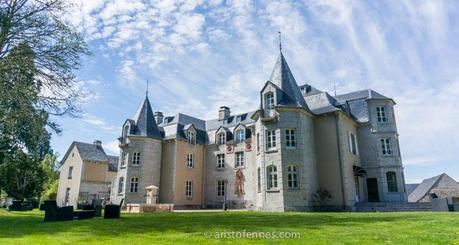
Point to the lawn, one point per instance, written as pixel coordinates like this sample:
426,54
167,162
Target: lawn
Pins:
204,227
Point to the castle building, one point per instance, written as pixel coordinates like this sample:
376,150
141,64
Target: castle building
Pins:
301,148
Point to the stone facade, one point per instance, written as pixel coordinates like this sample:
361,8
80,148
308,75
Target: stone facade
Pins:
300,142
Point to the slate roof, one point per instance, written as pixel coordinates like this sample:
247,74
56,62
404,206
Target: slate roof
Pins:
282,77
145,124
92,152
424,188
174,127
362,94
231,121
321,102
410,188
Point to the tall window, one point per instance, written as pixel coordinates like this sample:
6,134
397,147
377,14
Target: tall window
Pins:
124,159
240,159
381,114
70,172
270,139
290,138
258,180
189,189
353,144
190,160
67,196
191,137
292,176
220,188
272,177
221,161
120,185
240,135
391,181
269,98
386,147
258,142
221,138
134,184
136,158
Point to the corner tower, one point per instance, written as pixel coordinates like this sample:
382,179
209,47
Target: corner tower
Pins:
286,167
140,156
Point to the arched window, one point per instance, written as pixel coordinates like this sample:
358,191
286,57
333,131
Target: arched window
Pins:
120,185
292,176
240,135
391,181
272,177
221,138
269,100
134,184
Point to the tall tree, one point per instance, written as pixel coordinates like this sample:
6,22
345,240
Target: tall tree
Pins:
57,47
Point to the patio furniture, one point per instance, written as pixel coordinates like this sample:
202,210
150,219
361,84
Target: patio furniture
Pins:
55,213
15,206
113,211
84,214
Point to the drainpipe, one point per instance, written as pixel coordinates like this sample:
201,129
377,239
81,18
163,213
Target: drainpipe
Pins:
340,160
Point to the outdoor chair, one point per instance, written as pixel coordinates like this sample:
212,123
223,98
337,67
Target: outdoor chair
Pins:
84,214
113,211
55,213
15,206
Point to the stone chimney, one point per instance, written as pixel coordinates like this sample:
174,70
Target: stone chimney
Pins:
159,117
97,143
223,113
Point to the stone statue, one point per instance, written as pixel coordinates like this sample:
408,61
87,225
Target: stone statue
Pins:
239,183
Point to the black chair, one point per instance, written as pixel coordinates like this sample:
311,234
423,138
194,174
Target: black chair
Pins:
84,214
15,206
55,213
97,206
113,211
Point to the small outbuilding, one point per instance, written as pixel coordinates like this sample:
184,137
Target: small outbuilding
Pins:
436,187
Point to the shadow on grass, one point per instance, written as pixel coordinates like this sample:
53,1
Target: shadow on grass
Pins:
19,224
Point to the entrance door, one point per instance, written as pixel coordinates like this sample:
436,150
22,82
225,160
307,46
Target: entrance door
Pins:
372,187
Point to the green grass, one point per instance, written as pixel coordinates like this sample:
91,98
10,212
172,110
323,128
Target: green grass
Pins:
189,228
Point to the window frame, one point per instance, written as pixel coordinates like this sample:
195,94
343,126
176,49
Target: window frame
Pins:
290,138
269,100
220,161
292,177
381,114
221,138
240,135
270,139
391,179
120,185
272,178
386,147
239,161
190,160
136,159
353,144
258,180
67,196
189,189
134,184
70,172
191,137
221,188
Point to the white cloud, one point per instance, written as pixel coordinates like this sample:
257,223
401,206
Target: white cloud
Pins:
98,122
111,147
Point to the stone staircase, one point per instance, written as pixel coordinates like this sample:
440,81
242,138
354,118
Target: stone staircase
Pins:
393,207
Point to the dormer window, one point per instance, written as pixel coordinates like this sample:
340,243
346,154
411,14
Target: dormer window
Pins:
191,137
269,100
221,138
240,135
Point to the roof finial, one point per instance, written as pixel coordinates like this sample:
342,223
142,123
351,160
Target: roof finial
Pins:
146,91
280,41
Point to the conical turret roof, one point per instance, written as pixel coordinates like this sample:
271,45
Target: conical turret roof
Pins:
282,77
145,121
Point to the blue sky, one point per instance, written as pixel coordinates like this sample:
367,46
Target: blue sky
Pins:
199,55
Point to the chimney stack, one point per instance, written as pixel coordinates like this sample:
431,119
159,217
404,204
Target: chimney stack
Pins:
223,113
97,143
159,117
